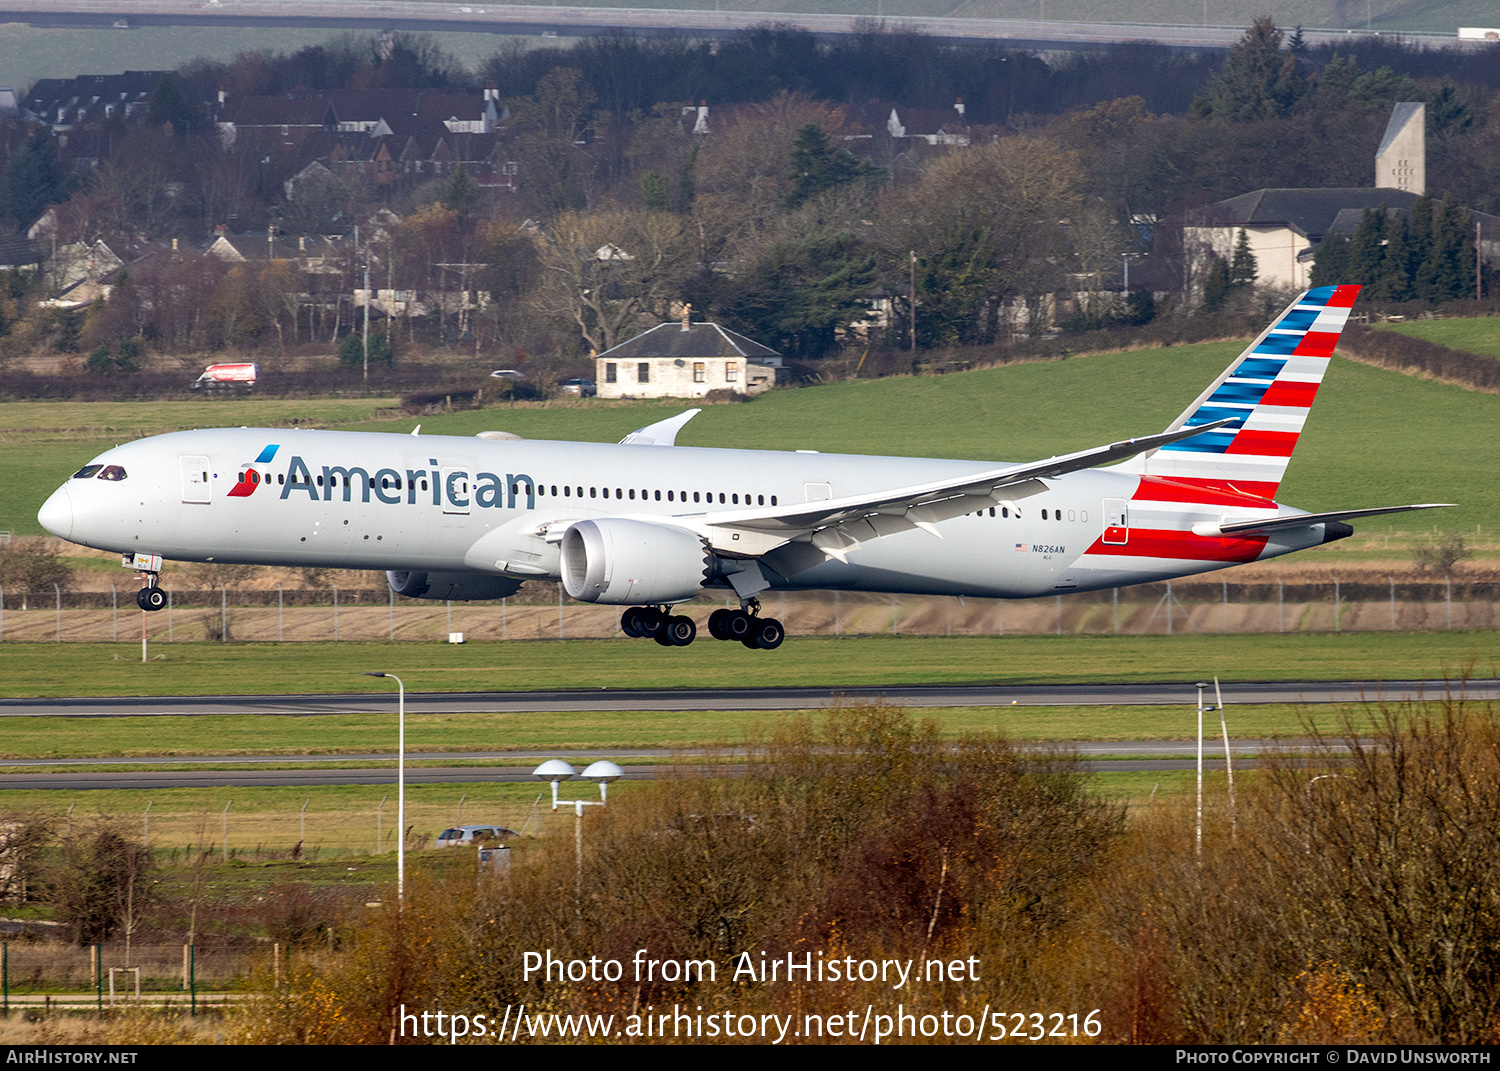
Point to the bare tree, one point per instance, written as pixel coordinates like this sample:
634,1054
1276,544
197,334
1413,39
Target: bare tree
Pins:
609,270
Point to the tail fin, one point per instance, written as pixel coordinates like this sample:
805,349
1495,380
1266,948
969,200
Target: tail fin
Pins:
1267,391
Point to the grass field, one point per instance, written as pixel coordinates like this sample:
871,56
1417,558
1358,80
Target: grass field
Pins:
35,669
166,738
1480,335
1375,437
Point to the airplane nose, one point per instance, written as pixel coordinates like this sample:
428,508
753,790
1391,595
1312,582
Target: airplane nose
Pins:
56,514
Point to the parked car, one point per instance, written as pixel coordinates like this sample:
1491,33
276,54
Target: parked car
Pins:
456,835
583,388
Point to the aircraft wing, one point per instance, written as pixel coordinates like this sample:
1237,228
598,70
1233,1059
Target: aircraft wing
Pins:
837,524
1302,520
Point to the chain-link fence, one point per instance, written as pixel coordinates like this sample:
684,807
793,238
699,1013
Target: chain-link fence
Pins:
364,614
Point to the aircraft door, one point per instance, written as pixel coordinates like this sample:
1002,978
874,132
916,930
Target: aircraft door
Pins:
195,482
456,490
1116,522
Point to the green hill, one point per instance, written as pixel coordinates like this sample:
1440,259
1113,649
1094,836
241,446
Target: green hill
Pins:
1374,437
1480,335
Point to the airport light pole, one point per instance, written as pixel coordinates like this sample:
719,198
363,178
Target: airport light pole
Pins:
400,787
601,773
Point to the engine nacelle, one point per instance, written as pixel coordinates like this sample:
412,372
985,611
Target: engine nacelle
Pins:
633,563
459,585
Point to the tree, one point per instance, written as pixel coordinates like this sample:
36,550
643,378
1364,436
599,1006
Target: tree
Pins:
552,122
1216,284
33,178
988,225
799,295
608,270
1258,80
28,566
352,351
1242,268
818,166
1448,270
101,883
460,194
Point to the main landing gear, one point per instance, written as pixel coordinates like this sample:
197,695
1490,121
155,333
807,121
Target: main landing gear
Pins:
655,623
675,630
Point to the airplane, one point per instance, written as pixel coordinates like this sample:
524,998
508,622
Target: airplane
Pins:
645,524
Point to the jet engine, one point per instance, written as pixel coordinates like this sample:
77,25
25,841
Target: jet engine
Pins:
633,563
459,585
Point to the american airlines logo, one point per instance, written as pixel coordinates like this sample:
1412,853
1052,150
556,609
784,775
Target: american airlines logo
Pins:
450,488
249,478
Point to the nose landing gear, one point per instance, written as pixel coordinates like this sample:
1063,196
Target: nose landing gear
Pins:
151,598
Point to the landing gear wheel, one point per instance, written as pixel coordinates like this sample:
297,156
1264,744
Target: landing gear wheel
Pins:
152,598
716,624
649,622
767,634
678,631
628,622
737,626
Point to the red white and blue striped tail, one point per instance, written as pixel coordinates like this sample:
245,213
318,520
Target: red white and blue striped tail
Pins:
1267,392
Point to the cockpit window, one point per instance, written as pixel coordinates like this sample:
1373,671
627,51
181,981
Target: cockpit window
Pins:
112,472
87,472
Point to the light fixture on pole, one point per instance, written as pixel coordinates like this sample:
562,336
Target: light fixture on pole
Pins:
400,786
601,773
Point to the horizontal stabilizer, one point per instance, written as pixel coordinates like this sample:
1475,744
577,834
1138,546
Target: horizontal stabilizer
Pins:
1303,520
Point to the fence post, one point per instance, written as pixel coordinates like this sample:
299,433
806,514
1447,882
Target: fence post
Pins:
1224,614
1280,621
392,612
1169,608
1335,604
57,592
1393,603
1057,624
280,614
169,615
114,610
836,614
559,610
504,607
2,613
1115,599
1448,583
223,614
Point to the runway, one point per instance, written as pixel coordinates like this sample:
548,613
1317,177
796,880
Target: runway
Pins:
626,701
52,778
640,764
579,21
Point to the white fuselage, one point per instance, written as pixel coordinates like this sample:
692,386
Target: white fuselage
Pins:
400,502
